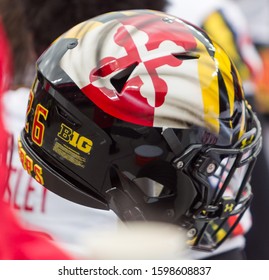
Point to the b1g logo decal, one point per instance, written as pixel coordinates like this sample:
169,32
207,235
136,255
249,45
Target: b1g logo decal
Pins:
74,139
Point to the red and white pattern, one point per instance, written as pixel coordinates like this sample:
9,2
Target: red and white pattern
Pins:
154,83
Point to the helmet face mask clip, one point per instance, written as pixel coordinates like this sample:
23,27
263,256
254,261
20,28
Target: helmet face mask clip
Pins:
146,117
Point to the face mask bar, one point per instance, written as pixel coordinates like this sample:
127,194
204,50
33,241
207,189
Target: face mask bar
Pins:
221,177
216,220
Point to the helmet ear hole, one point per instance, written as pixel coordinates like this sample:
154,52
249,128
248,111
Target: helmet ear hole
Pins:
162,172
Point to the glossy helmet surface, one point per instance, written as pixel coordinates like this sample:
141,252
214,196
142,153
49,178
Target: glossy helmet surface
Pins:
143,113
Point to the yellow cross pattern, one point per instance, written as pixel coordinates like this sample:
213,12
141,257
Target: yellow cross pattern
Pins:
229,207
247,141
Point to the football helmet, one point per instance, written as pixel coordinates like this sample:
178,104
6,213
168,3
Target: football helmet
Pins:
143,113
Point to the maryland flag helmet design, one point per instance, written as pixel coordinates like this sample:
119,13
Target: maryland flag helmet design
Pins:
143,113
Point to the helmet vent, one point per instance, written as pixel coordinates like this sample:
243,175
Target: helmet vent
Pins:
67,116
120,79
186,55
